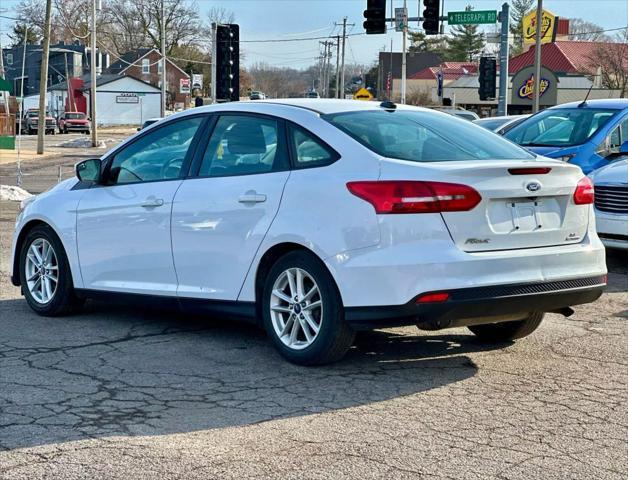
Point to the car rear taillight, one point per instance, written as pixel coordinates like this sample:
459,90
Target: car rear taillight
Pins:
584,192
404,196
529,171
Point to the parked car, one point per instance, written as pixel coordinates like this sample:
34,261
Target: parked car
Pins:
148,122
73,122
312,94
587,134
316,218
459,112
500,125
611,201
257,96
30,122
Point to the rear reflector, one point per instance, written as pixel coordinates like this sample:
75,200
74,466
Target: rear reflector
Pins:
438,297
529,171
402,196
584,192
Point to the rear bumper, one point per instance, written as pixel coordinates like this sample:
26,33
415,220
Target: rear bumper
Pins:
470,306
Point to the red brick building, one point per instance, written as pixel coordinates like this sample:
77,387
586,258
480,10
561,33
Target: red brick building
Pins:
145,64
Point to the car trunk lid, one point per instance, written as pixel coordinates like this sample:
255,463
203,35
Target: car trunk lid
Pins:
522,206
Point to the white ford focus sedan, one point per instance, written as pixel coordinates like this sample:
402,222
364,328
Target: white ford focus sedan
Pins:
317,218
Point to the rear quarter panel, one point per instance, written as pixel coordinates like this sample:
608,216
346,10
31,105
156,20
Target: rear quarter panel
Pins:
317,211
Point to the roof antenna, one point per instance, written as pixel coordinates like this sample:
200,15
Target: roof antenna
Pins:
584,102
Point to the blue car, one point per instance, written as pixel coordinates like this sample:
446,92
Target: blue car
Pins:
588,134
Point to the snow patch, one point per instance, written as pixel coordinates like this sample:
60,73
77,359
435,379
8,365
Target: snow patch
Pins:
14,194
82,143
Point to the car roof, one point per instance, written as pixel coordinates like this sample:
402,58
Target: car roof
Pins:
317,105
611,103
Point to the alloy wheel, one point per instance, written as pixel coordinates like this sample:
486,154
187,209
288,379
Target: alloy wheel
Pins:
41,271
296,308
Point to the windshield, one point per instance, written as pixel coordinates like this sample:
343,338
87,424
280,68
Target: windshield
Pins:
560,127
424,136
74,115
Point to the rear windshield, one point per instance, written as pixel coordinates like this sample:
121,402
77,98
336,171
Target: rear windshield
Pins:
560,127
424,136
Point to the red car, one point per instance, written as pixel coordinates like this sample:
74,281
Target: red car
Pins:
73,122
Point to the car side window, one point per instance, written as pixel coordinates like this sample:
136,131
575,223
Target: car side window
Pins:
158,155
309,151
243,145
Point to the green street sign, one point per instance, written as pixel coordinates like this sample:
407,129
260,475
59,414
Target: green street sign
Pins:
472,17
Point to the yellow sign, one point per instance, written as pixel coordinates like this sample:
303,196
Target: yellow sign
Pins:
548,27
363,94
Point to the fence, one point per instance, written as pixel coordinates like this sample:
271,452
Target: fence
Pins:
36,178
7,124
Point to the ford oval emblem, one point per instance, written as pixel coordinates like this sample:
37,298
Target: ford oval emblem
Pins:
533,187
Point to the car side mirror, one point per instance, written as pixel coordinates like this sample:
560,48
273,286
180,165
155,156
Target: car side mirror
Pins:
88,170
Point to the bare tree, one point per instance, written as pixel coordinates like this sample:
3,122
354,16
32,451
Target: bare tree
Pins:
584,31
612,60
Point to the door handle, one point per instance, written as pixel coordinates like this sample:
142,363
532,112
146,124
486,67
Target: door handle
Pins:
152,202
252,198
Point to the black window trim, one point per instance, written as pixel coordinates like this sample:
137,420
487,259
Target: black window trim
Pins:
185,167
195,168
293,153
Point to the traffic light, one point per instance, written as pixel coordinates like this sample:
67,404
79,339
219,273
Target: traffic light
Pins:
488,78
431,17
375,15
227,63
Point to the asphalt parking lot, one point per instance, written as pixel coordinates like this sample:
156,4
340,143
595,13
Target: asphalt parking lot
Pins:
119,392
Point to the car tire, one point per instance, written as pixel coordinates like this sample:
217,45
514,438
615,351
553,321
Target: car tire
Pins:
322,335
58,298
508,331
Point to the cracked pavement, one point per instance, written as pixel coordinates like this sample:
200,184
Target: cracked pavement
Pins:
118,392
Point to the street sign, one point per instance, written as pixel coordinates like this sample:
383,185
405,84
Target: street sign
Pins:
472,17
401,19
363,94
184,85
197,80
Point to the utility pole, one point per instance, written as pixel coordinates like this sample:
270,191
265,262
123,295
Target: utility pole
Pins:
502,104
213,65
21,112
43,81
536,93
2,68
163,59
337,66
326,67
323,68
403,54
92,71
341,93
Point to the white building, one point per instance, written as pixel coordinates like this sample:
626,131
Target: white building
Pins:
120,100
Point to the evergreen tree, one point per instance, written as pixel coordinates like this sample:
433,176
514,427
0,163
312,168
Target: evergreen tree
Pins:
420,42
19,31
466,42
518,10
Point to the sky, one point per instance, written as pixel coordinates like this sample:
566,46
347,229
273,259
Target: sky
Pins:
293,19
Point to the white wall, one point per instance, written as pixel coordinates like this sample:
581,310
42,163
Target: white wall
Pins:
109,112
